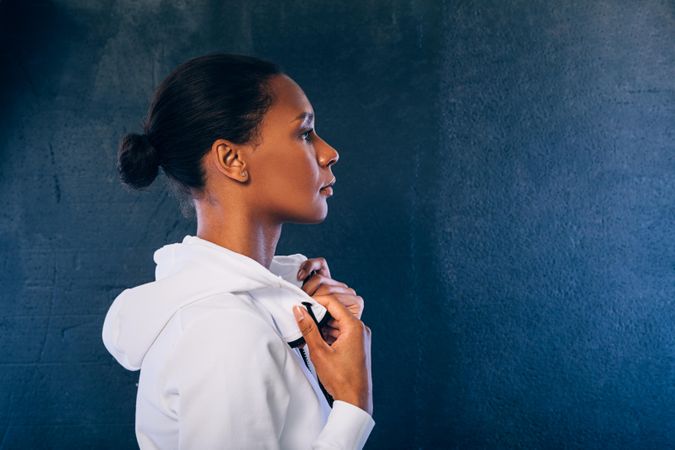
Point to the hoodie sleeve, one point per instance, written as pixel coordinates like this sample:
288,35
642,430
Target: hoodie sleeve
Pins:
233,392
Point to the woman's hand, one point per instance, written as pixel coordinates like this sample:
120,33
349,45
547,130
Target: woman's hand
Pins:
318,281
344,367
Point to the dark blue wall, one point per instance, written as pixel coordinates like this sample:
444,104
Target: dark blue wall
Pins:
504,205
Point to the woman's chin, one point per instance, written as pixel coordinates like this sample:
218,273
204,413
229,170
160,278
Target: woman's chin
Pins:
319,213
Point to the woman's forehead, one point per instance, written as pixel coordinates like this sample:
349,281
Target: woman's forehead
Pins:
290,101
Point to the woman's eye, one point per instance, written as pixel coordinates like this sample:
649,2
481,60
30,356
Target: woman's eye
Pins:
306,136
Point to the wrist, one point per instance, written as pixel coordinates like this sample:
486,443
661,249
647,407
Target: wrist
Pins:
365,402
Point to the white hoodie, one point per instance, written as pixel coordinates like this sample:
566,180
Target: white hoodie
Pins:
211,336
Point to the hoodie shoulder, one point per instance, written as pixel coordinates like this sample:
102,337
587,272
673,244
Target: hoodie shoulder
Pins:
223,306
138,315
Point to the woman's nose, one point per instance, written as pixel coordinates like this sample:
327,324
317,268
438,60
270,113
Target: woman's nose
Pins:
329,156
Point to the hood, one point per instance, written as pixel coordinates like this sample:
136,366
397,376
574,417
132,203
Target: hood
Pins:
191,270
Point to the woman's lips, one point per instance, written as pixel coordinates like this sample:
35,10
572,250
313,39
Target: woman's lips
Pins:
328,190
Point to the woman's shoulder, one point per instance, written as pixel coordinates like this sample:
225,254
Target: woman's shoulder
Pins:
225,328
228,314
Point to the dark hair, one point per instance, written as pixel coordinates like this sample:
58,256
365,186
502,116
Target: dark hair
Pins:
206,98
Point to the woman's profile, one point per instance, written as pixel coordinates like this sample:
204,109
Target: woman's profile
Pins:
226,358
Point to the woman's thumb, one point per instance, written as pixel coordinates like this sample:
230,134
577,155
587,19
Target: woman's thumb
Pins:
308,328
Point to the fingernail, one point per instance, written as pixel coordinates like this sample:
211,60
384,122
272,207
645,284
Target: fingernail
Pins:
298,313
301,274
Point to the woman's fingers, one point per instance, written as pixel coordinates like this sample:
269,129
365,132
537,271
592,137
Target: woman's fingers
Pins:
313,264
330,331
337,310
317,282
354,303
309,330
330,288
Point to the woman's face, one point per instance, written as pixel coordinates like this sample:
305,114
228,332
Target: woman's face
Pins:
291,163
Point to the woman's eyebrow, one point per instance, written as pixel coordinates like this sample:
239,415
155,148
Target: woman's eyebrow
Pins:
304,115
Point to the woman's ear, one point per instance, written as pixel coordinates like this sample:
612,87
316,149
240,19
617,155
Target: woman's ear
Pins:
228,159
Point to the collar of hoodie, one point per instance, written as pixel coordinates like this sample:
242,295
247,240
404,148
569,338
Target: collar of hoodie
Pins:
192,270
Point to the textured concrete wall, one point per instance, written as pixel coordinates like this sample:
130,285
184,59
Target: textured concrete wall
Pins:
504,205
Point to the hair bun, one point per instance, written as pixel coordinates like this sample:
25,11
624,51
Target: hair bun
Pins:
138,161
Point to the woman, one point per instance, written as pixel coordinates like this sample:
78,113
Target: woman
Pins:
217,336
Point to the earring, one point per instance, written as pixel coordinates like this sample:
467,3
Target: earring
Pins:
244,173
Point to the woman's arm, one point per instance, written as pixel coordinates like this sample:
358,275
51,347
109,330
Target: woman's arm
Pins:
233,391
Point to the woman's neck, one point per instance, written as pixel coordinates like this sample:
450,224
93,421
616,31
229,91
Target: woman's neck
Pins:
239,232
